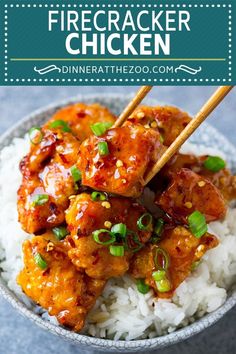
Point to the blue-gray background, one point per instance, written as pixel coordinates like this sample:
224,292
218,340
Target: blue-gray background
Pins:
19,335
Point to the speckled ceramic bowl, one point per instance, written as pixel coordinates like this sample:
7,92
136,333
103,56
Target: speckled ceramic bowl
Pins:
208,137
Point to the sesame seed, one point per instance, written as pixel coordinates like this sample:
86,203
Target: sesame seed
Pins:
200,251
201,183
50,246
154,124
72,197
106,205
119,163
59,136
200,248
188,205
108,224
123,180
146,126
222,180
59,149
140,115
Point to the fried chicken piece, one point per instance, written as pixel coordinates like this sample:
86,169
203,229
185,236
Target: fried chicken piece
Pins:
59,288
169,121
189,192
132,149
80,117
223,179
183,250
47,175
85,216
46,169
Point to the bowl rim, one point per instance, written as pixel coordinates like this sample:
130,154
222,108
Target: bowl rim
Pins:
100,343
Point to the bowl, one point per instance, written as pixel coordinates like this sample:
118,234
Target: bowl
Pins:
209,137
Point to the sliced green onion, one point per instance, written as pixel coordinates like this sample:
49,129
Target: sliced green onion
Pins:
76,174
142,287
103,148
100,128
117,251
159,275
197,224
60,124
163,285
40,261
159,227
214,163
161,138
40,199
160,252
145,222
60,232
155,239
97,233
35,135
119,230
98,196
195,265
132,244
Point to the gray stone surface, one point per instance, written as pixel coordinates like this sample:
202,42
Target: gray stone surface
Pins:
18,335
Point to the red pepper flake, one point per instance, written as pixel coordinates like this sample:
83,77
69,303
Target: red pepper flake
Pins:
96,257
23,163
178,249
79,301
62,316
132,120
81,114
208,240
46,272
64,159
71,242
69,228
99,180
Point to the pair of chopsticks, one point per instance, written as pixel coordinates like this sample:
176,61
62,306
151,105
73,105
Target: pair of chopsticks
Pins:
204,112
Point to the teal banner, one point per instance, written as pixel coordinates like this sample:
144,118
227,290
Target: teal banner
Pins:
117,42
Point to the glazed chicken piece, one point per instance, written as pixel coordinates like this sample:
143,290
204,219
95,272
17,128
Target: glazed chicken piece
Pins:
47,181
169,121
223,179
129,152
183,251
79,117
85,216
52,281
46,169
189,192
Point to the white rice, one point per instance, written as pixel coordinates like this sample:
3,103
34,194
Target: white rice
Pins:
122,312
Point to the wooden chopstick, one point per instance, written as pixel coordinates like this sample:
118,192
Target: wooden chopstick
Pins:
142,92
204,112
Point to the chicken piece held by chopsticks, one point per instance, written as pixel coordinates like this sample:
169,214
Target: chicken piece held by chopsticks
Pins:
117,161
168,120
